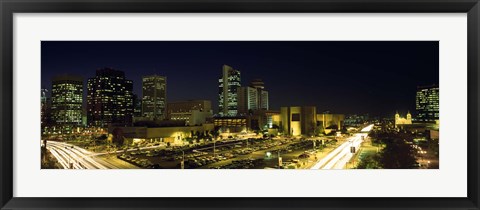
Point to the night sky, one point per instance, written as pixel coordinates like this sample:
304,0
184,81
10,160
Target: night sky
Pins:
341,77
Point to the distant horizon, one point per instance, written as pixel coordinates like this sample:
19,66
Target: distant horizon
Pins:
377,78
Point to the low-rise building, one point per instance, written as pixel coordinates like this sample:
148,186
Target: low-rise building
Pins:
176,134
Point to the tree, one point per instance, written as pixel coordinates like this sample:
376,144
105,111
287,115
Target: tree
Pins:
398,155
370,162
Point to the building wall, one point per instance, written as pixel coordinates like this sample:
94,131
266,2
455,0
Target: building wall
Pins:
328,120
308,120
296,121
291,120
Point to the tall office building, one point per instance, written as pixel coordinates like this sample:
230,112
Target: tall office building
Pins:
427,103
228,86
109,98
129,102
67,100
247,100
253,97
262,94
44,107
154,101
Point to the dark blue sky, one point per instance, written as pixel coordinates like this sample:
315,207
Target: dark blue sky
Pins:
343,77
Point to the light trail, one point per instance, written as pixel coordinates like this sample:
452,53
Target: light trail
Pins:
79,158
338,158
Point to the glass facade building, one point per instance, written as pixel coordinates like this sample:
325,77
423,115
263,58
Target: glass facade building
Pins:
427,103
154,101
109,98
67,100
228,86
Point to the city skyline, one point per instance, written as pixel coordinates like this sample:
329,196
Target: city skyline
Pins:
279,105
352,81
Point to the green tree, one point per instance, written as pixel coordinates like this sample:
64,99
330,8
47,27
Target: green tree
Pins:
398,155
370,162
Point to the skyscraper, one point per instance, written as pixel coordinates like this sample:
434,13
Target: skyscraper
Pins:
253,97
247,100
154,99
129,103
67,100
427,103
228,84
45,105
109,98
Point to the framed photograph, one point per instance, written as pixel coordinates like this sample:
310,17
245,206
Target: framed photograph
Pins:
239,105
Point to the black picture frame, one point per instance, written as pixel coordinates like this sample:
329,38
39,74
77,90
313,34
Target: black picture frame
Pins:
10,7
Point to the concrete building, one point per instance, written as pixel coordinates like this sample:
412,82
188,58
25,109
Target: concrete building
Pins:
154,100
67,100
296,121
231,124
193,112
427,103
193,117
174,135
228,84
327,120
262,119
109,98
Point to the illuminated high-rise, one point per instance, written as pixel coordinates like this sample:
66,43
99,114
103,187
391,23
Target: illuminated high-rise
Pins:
45,104
67,100
228,85
109,98
253,97
154,101
427,103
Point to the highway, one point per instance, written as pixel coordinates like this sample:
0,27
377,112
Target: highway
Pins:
338,158
73,157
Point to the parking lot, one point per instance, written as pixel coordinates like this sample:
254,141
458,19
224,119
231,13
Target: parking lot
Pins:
232,154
